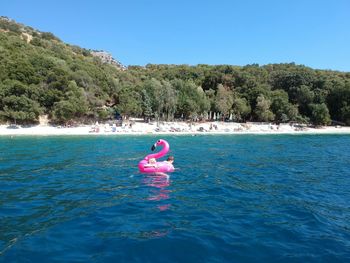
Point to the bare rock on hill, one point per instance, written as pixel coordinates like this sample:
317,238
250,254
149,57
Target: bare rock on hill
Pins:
107,58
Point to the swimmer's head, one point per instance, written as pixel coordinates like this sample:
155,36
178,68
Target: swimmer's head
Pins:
152,160
170,159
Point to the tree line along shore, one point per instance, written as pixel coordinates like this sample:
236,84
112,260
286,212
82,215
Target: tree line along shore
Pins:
41,75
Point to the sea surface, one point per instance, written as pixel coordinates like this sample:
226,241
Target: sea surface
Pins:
237,198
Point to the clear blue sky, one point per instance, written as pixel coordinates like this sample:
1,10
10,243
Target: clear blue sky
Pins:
315,33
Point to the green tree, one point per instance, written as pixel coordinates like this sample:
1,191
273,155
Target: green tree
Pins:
153,88
204,103
262,109
74,106
168,98
129,103
63,111
146,105
191,100
320,114
303,96
20,109
223,100
338,102
345,114
240,109
284,111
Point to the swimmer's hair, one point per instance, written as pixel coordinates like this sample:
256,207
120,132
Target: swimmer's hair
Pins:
152,160
170,158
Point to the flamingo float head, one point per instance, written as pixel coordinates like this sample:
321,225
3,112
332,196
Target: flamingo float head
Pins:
159,142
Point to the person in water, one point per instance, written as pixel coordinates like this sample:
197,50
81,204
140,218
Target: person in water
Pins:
170,160
152,162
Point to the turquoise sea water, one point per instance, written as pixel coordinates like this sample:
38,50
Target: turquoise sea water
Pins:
233,199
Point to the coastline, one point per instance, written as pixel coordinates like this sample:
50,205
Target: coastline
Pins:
172,128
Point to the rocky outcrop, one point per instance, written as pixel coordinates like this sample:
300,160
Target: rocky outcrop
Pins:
107,58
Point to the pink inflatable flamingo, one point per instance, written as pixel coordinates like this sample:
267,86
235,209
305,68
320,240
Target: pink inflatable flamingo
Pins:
158,167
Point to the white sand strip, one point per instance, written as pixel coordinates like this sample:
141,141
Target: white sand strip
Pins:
177,128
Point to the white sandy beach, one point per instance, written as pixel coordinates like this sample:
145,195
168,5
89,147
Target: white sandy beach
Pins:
178,128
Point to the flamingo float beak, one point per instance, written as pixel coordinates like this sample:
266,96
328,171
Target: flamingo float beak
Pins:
153,147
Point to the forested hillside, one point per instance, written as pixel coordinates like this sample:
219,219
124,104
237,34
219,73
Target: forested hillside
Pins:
41,75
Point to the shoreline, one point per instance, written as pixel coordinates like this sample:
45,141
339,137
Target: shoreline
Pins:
173,128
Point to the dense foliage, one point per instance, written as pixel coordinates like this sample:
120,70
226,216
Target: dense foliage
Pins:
39,74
